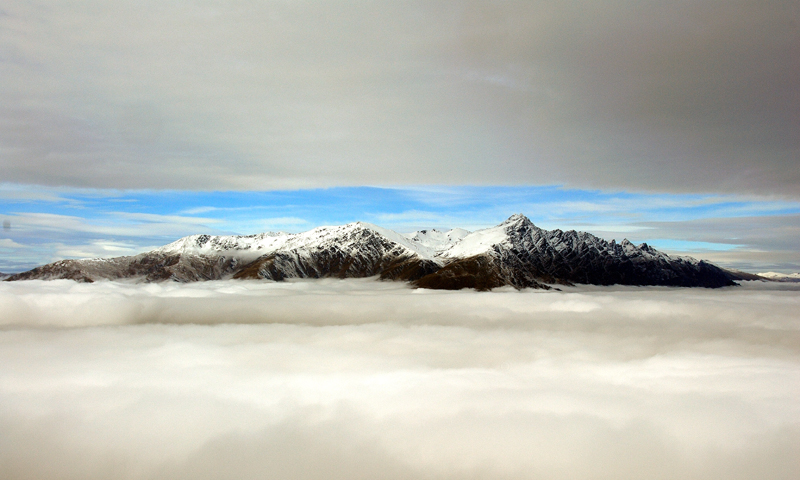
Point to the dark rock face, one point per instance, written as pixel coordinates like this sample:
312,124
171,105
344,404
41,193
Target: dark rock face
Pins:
63,269
579,257
739,275
150,267
375,255
409,269
519,255
181,268
532,257
481,272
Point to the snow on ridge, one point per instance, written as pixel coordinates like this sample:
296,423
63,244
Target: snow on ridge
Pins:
321,237
249,247
433,241
427,244
227,245
483,241
478,242
777,275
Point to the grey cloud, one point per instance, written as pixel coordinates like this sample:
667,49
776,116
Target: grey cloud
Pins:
44,237
768,232
770,242
751,260
685,96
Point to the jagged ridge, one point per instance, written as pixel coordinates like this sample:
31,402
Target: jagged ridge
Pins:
528,255
515,253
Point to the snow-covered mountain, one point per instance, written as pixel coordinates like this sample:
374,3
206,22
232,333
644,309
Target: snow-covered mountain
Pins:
518,253
515,253
781,277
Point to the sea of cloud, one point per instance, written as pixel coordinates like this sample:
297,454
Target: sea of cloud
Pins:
361,379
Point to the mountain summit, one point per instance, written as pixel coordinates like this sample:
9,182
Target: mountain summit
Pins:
515,252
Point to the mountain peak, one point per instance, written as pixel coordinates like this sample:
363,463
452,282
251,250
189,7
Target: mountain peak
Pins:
517,219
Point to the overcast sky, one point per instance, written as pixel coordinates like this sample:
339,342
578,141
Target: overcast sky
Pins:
683,97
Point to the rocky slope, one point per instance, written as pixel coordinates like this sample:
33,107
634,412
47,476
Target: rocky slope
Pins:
515,253
518,253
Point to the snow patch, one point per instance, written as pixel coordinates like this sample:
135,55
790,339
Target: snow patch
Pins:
478,243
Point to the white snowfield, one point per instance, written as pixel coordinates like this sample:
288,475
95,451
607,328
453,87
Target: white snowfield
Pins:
433,242
476,243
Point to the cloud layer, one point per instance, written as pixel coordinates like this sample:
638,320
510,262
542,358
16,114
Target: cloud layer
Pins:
687,96
364,379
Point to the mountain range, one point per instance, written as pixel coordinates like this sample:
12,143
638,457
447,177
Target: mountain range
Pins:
515,253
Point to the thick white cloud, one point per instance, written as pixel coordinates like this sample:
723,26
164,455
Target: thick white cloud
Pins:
365,379
681,96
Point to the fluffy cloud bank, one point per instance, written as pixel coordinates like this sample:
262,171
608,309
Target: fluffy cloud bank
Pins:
363,379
